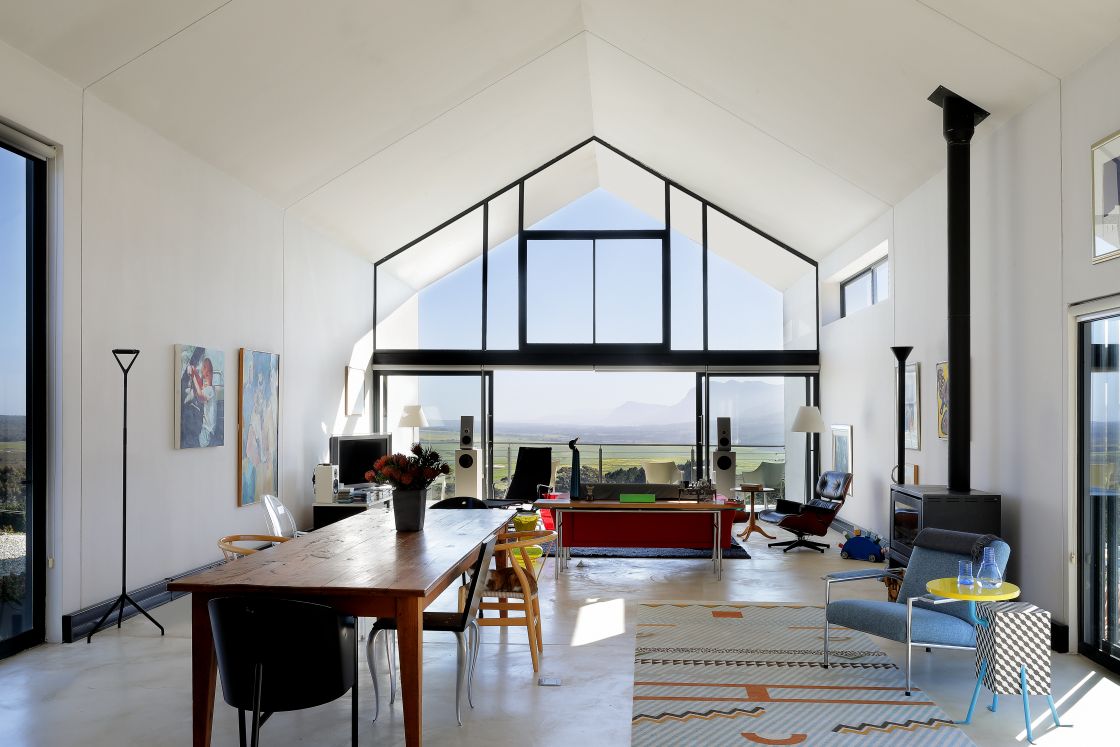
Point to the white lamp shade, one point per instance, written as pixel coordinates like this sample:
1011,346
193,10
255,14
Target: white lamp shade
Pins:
412,416
808,420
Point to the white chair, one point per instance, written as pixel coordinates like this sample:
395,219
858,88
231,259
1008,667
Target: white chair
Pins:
662,472
279,518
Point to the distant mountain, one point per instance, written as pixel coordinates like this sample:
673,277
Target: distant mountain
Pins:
13,427
757,410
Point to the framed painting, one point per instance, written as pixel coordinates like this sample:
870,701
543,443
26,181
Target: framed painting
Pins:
842,449
1106,198
355,391
912,407
943,400
200,394
258,426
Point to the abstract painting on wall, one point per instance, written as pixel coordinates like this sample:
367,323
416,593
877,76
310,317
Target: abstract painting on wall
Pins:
943,400
1106,198
912,406
200,406
258,426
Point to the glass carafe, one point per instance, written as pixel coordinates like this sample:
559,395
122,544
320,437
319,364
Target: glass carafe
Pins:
989,575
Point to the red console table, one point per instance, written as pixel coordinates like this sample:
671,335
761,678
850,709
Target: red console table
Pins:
660,524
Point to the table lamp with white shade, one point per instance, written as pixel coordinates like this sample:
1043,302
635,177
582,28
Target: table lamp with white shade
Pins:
808,420
412,416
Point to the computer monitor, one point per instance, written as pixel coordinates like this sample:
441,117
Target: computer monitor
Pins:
355,455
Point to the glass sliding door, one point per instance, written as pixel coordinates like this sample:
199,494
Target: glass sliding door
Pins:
22,400
1099,512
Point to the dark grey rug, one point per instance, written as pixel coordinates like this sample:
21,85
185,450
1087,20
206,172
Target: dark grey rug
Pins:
733,552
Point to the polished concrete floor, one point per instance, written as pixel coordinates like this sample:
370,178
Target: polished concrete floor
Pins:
131,687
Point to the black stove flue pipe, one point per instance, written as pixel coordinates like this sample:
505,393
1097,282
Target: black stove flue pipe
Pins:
901,352
959,119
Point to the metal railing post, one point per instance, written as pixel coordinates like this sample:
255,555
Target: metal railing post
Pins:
601,478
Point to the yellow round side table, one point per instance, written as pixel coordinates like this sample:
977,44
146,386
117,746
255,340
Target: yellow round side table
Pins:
948,588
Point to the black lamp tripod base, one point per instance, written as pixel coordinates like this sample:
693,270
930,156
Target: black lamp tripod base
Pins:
130,355
119,607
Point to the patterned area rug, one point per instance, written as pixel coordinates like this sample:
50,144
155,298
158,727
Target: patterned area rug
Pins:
740,674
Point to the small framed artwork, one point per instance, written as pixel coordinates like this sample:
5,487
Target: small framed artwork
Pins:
909,472
258,427
842,449
200,397
355,391
912,407
1106,198
943,400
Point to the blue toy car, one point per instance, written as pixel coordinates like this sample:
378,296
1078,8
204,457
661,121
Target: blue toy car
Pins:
862,547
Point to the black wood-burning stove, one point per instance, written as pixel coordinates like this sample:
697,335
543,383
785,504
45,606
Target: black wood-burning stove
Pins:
916,507
956,505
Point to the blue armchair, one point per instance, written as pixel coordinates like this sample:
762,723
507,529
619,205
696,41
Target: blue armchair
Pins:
916,618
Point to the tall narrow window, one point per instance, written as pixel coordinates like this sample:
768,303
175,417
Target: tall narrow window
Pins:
22,403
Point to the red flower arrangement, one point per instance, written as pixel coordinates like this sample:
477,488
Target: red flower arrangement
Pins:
414,471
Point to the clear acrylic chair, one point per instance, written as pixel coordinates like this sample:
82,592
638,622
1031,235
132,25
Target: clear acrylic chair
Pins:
279,518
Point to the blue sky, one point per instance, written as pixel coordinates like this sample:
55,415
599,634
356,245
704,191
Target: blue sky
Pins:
746,314
13,278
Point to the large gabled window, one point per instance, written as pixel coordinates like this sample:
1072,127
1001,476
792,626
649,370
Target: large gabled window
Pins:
592,259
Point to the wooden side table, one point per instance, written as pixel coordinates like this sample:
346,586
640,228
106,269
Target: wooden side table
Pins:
1012,645
752,524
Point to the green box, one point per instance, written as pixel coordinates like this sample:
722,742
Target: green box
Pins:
636,498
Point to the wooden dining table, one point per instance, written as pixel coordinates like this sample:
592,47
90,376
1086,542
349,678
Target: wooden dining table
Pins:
359,566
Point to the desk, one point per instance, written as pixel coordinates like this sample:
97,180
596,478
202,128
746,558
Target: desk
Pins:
688,526
324,514
360,566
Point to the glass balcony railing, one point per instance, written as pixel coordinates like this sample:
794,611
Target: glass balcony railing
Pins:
607,462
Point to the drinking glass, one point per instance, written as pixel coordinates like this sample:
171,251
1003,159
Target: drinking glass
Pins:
964,573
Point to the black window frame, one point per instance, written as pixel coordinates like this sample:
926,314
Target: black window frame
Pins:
594,354
36,372
869,270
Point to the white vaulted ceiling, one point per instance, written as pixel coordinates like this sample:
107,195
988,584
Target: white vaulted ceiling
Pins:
378,120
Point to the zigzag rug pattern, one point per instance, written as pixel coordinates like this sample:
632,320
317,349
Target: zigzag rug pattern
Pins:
702,716
702,667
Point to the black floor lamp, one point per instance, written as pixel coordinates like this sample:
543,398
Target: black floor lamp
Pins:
121,355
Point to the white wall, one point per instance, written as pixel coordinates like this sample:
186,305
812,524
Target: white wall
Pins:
328,312
45,105
168,249
179,252
1017,345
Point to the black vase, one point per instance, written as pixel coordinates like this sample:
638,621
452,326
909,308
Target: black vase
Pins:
409,508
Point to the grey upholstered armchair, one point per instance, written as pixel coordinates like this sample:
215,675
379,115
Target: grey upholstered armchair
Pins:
916,618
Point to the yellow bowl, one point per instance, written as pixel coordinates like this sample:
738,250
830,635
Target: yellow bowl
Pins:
535,553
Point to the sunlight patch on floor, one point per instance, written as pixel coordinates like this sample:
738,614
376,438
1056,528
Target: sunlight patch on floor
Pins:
597,621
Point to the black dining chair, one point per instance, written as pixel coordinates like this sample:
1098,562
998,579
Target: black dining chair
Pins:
463,502
253,641
459,623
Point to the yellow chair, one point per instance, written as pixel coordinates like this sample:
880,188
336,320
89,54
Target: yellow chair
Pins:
517,581
232,551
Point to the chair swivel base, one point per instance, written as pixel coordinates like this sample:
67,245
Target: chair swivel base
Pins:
800,542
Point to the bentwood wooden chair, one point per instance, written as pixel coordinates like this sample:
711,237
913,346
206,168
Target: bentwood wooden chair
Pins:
516,581
232,551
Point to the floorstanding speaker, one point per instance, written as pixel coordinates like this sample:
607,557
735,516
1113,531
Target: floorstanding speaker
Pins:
468,476
466,432
723,472
723,434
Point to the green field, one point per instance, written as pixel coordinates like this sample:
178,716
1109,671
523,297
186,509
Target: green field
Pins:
13,453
